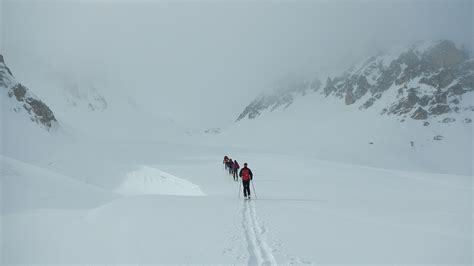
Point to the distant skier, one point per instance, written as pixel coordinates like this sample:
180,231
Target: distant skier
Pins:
235,169
226,161
247,176
229,166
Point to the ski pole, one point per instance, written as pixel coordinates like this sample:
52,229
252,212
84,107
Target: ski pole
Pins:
240,184
255,193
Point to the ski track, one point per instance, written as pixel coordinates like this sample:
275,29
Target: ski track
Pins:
259,251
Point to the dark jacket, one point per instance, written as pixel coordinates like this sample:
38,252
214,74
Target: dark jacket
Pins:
235,165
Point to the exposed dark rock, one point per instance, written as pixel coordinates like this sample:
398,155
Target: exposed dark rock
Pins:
467,120
455,101
445,77
254,114
368,103
426,123
439,109
42,111
329,87
444,54
429,83
38,111
19,91
440,97
281,98
438,137
213,131
412,69
2,61
387,78
405,105
424,100
420,114
457,90
350,99
448,120
362,87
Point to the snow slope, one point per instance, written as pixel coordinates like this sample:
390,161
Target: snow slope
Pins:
25,187
409,109
331,186
306,211
323,128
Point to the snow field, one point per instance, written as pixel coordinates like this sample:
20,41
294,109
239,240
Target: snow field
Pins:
308,210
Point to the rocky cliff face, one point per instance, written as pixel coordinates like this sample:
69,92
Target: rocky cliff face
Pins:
420,83
20,99
426,82
282,97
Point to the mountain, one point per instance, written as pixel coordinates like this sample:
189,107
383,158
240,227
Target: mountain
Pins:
410,109
420,82
283,96
85,97
93,105
19,99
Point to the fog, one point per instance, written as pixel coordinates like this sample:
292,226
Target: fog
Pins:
201,63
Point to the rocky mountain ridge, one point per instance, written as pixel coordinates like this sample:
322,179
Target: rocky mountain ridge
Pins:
420,82
19,99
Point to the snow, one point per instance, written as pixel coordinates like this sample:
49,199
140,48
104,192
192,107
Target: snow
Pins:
305,211
147,180
119,187
325,128
71,199
25,186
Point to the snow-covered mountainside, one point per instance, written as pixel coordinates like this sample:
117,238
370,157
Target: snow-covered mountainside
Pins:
85,97
283,96
17,98
409,110
420,82
92,106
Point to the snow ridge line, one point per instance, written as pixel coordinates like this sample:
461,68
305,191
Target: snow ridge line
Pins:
259,251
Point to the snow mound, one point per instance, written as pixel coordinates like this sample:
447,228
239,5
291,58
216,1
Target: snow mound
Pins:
148,180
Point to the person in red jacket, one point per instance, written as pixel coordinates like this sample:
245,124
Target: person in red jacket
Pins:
247,176
235,168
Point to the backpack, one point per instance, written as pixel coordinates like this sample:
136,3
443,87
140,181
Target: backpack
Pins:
245,174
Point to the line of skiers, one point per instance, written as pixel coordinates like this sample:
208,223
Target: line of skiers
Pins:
245,174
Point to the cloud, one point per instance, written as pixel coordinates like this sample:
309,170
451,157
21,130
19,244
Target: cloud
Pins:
202,62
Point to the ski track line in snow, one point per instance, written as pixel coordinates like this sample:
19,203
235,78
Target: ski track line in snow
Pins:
259,251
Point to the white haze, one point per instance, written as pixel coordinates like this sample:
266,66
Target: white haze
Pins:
201,63
331,184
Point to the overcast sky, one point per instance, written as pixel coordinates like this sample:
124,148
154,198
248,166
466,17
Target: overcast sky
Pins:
202,62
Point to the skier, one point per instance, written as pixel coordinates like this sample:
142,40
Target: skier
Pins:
235,168
229,166
247,176
226,160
